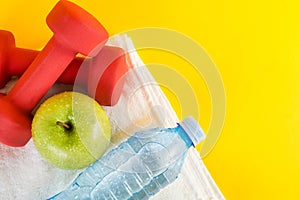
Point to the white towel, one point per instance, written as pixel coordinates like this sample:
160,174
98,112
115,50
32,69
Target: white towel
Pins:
25,175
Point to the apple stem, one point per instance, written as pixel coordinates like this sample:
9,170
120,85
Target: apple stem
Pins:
65,125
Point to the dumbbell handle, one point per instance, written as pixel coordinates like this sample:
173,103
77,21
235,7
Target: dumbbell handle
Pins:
20,59
101,75
41,75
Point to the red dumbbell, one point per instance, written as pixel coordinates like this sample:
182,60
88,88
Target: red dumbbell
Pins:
74,30
108,67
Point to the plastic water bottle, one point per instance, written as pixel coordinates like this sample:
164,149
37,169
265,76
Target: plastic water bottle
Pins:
139,167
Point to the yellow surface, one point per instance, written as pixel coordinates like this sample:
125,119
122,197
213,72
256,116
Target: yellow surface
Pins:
255,45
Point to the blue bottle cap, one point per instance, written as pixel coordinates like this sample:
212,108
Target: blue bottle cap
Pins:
192,129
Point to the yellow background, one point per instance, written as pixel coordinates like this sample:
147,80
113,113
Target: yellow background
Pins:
255,45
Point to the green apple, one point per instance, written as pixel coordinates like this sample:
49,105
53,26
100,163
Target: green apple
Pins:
71,130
